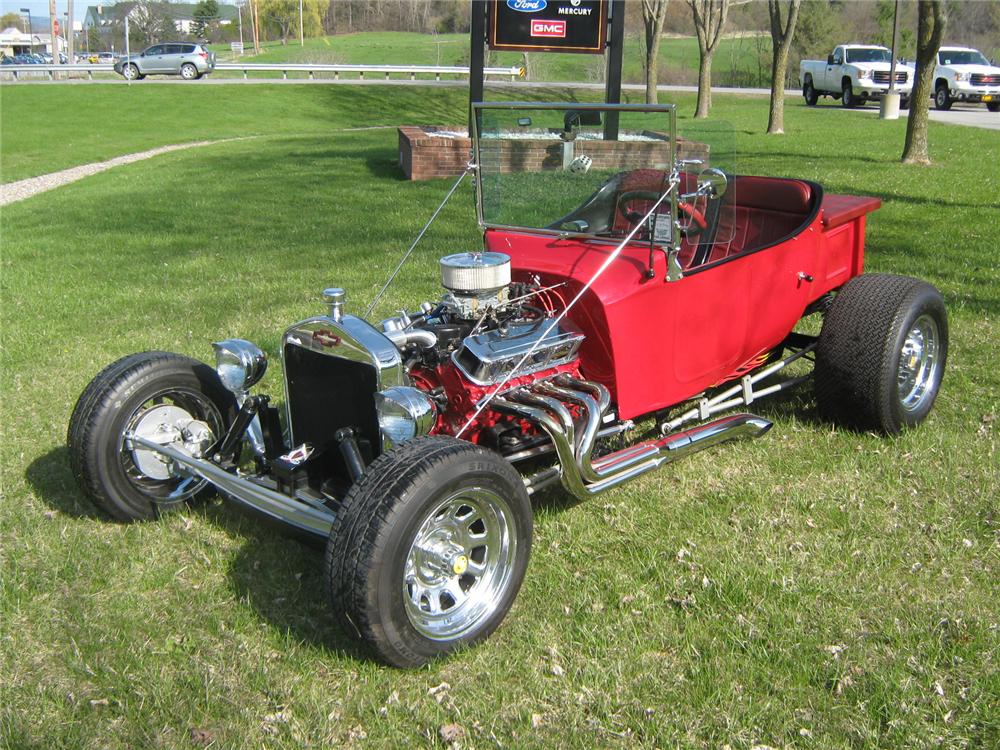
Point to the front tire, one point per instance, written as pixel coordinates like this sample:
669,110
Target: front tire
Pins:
847,98
153,393
131,73
942,98
882,353
429,549
993,106
809,94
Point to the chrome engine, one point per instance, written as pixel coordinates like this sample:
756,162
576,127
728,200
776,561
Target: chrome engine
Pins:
484,324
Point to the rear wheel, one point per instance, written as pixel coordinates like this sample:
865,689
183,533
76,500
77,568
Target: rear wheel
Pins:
429,549
993,106
168,398
882,353
189,72
942,97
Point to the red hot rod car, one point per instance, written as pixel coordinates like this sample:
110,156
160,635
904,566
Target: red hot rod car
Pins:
629,292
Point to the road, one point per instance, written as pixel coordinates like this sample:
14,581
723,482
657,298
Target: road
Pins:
973,115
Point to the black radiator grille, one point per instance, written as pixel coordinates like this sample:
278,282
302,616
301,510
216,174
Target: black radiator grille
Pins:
326,393
985,79
882,76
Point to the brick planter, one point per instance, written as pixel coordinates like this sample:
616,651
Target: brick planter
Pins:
423,156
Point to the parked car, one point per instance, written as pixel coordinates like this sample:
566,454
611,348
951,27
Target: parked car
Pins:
189,61
963,74
854,73
617,286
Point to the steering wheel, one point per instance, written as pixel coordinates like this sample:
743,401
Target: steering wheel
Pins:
696,219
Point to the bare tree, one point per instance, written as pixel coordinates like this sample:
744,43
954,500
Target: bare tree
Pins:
931,22
781,42
709,19
653,14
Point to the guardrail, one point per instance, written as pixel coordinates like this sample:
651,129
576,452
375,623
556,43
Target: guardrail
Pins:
284,68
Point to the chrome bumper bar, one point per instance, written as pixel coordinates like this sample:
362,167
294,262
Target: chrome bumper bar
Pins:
312,519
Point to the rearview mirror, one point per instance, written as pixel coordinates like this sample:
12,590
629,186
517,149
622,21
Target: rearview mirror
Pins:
712,182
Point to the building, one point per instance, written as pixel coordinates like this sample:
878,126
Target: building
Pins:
13,41
105,16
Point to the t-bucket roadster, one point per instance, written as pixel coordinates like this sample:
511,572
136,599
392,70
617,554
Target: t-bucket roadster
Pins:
626,300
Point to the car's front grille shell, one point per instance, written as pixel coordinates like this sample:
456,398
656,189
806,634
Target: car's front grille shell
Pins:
882,76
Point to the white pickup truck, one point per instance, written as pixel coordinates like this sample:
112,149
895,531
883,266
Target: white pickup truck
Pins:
854,73
964,74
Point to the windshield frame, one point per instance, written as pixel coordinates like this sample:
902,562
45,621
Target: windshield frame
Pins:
669,110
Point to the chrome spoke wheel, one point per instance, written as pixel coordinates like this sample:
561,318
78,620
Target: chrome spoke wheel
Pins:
183,419
459,564
918,363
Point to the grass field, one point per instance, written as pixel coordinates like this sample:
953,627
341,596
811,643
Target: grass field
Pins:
815,588
738,61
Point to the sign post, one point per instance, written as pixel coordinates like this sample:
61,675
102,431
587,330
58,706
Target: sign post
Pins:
576,26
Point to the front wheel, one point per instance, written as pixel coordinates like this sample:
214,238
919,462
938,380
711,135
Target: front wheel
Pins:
131,73
882,353
189,72
167,398
993,106
429,549
847,98
942,98
809,94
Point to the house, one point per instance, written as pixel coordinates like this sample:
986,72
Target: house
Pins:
104,16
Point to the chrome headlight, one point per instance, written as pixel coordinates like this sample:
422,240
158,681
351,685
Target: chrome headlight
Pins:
239,364
864,74
404,413
967,76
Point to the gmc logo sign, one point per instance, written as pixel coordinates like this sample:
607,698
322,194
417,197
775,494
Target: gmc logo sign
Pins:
541,27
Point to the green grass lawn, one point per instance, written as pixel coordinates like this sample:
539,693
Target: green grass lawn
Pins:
743,61
814,588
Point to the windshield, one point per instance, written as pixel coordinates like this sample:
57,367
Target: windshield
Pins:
869,54
961,57
592,170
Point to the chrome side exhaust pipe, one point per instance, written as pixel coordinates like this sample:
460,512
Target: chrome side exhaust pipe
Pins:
581,474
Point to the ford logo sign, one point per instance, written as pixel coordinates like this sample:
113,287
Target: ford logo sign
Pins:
527,6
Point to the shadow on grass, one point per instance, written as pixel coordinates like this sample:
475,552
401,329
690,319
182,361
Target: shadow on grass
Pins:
52,481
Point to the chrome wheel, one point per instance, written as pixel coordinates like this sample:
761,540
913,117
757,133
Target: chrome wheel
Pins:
918,363
460,563
185,420
130,72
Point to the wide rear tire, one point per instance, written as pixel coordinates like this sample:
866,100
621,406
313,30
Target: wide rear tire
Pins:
809,94
144,390
429,549
882,353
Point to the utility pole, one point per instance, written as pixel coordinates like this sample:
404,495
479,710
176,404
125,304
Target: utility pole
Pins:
54,31
239,14
71,48
27,30
889,106
302,36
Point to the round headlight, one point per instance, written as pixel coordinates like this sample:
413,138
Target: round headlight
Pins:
404,413
239,364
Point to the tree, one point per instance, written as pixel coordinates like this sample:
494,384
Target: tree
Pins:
206,14
283,15
931,21
13,20
149,22
709,20
653,14
781,42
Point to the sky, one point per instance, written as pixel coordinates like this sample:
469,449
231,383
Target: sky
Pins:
40,8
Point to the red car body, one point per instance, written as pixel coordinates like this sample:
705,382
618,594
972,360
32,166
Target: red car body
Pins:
788,246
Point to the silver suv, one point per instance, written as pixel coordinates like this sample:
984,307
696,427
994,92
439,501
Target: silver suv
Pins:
187,60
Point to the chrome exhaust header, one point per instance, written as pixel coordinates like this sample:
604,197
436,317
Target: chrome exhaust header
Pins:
544,404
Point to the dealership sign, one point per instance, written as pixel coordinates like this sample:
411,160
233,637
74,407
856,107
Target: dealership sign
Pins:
548,25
